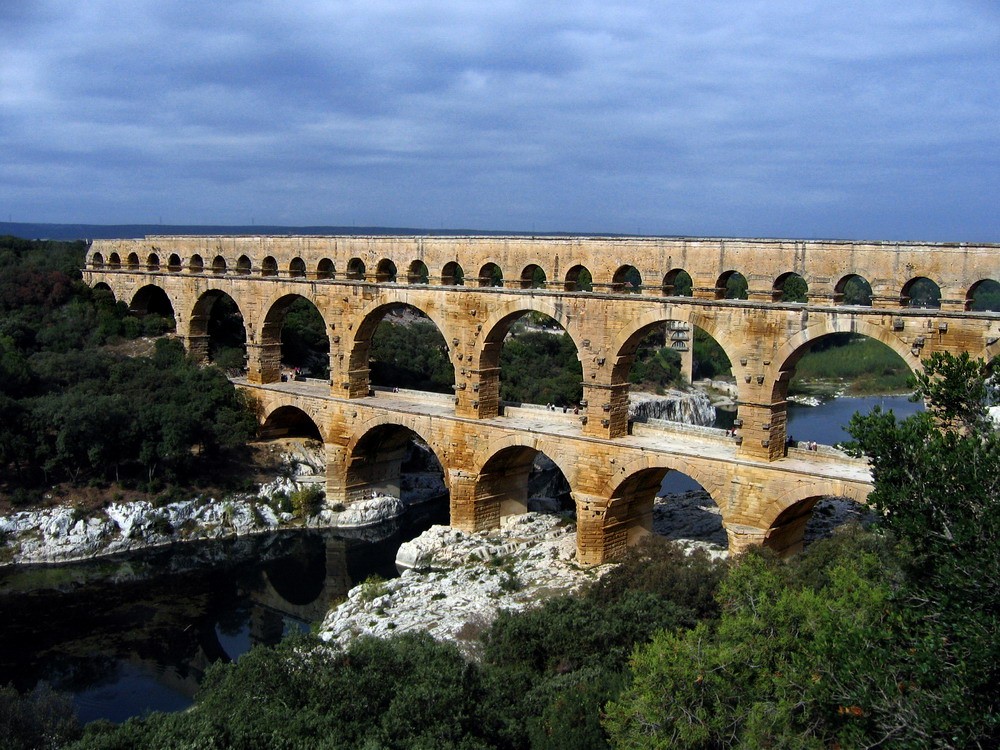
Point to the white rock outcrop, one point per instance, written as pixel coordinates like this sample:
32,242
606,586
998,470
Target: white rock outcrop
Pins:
687,407
457,582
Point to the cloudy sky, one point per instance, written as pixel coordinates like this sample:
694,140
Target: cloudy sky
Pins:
875,119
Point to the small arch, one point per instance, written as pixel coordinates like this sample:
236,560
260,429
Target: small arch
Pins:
114,261
153,262
325,269
97,260
243,265
219,265
269,267
133,261
490,275
983,296
677,283
356,269
289,421
790,287
385,272
579,279
452,274
417,274
174,262
731,285
853,290
921,292
297,268
627,280
196,264
533,277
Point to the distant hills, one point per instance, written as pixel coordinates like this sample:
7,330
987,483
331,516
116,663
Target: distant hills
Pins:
132,231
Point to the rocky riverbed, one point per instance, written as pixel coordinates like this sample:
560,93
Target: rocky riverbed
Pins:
455,583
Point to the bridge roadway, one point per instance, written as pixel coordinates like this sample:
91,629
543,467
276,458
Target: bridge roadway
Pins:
486,463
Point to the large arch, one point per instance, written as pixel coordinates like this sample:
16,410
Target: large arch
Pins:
360,347
505,467
275,349
629,513
289,421
375,456
784,519
486,357
218,329
152,299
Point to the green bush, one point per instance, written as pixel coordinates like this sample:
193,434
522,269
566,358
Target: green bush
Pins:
307,501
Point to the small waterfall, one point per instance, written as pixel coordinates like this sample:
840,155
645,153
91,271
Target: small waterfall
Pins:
692,407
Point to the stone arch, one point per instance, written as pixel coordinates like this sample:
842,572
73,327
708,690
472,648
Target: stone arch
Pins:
114,261
103,286
97,260
784,519
288,420
989,286
269,266
677,283
921,292
219,265
629,514
360,347
417,273
533,277
200,326
790,287
502,478
630,337
174,262
374,457
486,357
153,262
731,285
132,262
627,280
152,299
271,340
452,274
490,275
853,289
196,264
243,266
325,269
579,279
795,347
385,272
297,268
356,269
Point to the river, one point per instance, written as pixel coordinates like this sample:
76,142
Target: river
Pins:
129,635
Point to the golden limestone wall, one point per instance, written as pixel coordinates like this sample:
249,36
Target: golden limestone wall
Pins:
350,281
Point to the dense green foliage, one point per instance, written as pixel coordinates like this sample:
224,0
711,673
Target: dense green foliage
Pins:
862,364
886,639
38,720
304,343
411,355
73,411
538,367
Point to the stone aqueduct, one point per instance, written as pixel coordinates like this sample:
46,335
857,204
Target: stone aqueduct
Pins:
613,469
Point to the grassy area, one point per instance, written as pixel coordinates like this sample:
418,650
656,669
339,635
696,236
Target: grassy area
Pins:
859,364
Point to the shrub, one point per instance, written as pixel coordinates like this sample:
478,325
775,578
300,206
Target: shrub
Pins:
307,501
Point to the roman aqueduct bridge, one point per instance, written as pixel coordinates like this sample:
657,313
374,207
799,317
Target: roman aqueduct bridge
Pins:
607,293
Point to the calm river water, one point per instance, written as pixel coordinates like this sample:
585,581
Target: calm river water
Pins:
125,636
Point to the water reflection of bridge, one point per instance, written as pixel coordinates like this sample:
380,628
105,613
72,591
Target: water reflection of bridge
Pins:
607,294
